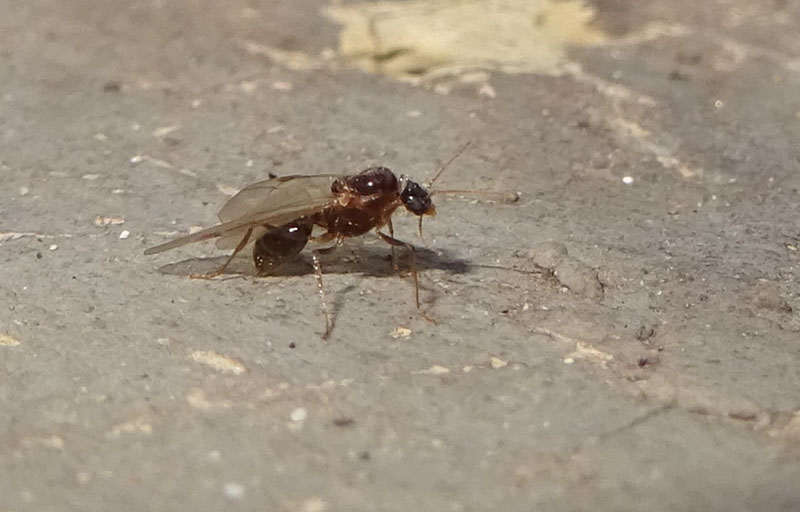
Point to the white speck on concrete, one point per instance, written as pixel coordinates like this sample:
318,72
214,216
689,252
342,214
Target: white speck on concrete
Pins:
233,490
298,414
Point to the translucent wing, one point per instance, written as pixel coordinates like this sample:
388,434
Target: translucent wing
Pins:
274,195
272,202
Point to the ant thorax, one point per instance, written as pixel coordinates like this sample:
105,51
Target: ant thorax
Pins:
372,181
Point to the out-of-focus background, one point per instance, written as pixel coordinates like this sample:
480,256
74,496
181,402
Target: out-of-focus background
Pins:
626,336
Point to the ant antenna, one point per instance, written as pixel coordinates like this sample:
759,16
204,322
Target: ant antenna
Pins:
436,176
447,163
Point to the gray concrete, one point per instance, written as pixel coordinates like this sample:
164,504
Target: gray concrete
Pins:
657,368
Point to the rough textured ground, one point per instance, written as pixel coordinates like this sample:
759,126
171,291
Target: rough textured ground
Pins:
654,366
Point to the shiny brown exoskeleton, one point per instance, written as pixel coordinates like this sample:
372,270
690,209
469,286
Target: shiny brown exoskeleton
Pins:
280,214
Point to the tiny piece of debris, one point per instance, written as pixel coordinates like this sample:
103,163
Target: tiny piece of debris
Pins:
298,414
165,130
645,333
628,180
434,370
23,191
343,422
112,86
227,190
108,221
282,86
498,363
218,362
138,425
124,235
588,352
400,332
7,340
53,247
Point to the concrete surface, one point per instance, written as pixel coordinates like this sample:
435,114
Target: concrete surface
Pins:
653,366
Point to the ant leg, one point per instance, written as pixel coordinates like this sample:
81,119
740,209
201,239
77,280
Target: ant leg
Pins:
318,274
394,257
399,243
220,270
324,237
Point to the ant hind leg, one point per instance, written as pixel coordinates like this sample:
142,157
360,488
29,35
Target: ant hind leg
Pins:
221,270
315,254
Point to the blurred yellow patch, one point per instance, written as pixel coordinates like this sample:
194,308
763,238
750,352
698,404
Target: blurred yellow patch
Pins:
421,39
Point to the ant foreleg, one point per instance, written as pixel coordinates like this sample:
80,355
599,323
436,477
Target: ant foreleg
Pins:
221,270
399,243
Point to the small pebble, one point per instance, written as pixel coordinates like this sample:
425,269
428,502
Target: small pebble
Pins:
400,332
628,180
124,235
53,247
498,363
298,414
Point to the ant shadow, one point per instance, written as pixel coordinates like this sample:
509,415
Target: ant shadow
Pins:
366,260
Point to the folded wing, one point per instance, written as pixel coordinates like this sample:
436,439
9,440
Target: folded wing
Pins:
268,203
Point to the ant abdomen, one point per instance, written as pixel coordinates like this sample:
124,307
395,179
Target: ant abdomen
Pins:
280,245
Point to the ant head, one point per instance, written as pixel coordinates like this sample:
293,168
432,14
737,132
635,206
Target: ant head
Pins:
416,199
